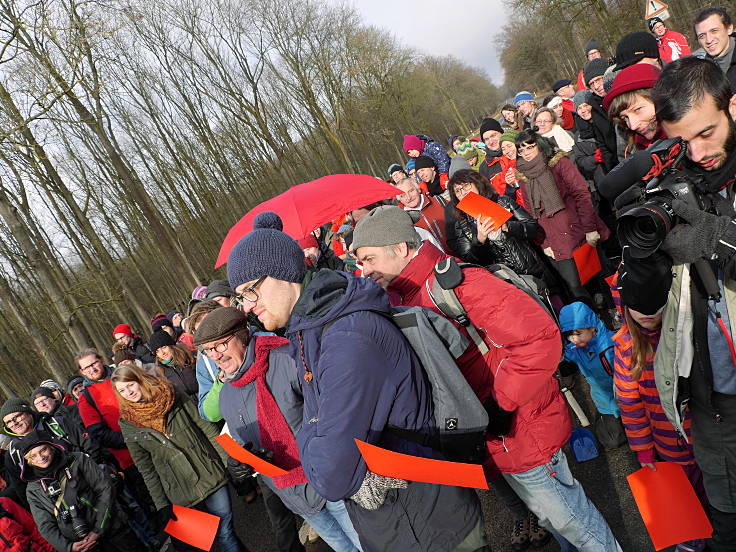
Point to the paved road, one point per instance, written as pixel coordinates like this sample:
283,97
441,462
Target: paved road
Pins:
604,480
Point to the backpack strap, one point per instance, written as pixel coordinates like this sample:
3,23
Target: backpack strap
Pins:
447,276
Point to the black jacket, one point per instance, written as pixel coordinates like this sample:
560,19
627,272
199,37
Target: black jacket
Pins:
604,133
141,351
514,249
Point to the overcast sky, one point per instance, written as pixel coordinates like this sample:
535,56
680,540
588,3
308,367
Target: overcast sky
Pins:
439,27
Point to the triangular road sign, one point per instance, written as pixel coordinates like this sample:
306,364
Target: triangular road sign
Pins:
654,7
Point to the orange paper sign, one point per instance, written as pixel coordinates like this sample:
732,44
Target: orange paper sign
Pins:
242,455
193,527
668,505
587,261
412,468
478,206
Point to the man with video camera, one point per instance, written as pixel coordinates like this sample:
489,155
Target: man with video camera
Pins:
687,218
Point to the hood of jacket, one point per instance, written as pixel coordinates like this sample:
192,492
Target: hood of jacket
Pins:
331,294
32,473
578,315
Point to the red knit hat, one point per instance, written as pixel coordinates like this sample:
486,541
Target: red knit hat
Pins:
122,329
634,77
308,241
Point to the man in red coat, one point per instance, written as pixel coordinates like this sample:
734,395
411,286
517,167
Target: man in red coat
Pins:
514,379
672,45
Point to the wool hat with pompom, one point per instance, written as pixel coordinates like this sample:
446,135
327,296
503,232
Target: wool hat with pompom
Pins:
266,251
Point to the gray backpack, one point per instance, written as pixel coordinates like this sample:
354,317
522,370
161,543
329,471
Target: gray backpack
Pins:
460,418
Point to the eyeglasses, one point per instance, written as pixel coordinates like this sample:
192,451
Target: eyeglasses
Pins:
530,147
459,188
545,121
221,347
95,363
14,421
249,294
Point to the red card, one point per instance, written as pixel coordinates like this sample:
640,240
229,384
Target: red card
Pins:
587,261
193,527
668,505
478,206
412,468
242,455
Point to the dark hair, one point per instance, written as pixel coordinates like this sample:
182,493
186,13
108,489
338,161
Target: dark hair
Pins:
529,136
509,107
705,13
468,176
684,83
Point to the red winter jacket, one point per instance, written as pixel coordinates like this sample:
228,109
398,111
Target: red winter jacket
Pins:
18,531
100,412
673,46
525,347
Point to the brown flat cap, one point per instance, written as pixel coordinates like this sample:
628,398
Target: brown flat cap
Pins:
220,323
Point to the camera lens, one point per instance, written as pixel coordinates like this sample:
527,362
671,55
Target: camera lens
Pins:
643,228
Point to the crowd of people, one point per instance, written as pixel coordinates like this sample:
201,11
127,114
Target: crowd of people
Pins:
341,335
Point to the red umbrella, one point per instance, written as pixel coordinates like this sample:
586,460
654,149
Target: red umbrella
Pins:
307,206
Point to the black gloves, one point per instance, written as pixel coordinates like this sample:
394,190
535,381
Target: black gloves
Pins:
163,515
697,236
499,420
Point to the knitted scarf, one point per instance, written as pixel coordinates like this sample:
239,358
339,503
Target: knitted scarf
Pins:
150,413
275,433
544,196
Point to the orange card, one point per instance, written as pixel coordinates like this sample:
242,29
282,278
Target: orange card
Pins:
193,527
478,206
668,505
587,261
425,470
242,455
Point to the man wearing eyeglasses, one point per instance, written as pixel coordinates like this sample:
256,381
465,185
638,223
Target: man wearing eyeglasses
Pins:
358,376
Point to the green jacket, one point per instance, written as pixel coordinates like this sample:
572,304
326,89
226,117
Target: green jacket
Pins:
186,465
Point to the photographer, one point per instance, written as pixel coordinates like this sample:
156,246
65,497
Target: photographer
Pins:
695,362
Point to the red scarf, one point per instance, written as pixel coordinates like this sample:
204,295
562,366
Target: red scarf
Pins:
275,433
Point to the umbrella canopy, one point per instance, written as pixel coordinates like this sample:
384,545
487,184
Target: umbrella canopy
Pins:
305,207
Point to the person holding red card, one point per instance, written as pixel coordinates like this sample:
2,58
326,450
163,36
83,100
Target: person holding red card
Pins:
556,195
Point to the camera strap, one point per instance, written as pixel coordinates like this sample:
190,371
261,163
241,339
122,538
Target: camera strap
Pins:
710,283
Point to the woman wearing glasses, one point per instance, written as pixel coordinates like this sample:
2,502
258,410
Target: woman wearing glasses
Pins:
557,197
175,451
549,125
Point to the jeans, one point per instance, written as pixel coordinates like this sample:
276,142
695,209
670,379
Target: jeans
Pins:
559,501
218,504
333,525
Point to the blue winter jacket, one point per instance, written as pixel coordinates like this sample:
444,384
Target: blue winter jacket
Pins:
589,359
206,372
364,376
437,152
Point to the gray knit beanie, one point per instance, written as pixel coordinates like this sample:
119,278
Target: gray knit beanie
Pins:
266,251
220,323
581,97
385,225
594,68
14,405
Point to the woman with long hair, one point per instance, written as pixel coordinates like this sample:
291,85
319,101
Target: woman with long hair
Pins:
556,196
174,449
175,363
475,241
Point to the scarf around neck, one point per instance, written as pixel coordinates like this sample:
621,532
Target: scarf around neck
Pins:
150,413
544,196
275,433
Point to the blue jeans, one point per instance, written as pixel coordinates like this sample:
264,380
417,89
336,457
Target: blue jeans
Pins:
218,504
560,503
335,528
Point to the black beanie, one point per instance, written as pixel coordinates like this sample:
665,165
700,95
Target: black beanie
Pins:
559,84
594,68
424,162
591,45
158,339
72,383
14,405
42,391
489,123
634,47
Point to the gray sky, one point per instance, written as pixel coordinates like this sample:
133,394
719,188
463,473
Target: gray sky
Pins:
439,27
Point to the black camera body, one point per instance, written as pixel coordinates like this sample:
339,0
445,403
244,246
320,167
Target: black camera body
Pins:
644,211
74,516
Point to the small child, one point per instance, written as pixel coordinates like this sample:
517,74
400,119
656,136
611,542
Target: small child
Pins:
591,348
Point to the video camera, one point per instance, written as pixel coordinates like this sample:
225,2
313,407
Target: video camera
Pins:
643,189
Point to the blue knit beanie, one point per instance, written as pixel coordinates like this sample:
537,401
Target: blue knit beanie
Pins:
266,251
523,96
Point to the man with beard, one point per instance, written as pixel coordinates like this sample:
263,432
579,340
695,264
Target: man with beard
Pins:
630,106
695,363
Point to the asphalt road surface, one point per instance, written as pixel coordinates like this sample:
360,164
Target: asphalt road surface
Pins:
604,480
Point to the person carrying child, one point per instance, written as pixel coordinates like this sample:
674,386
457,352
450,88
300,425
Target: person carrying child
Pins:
591,348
